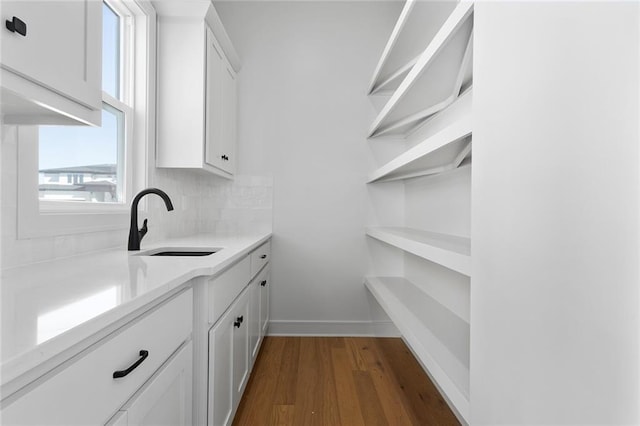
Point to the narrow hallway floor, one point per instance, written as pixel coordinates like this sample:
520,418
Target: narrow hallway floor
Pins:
346,381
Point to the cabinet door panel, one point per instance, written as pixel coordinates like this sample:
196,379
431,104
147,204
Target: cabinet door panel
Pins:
61,49
254,318
229,100
228,361
264,304
214,108
166,398
221,372
241,348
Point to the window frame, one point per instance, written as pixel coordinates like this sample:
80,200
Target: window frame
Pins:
42,218
125,161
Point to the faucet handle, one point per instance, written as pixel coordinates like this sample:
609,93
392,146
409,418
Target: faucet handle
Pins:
142,232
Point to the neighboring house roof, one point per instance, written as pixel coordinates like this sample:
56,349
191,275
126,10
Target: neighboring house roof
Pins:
55,187
95,186
96,169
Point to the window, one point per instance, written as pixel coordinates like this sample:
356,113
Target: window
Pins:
89,164
77,179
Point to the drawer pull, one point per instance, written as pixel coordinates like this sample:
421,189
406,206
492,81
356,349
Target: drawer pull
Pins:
263,283
121,373
238,321
264,256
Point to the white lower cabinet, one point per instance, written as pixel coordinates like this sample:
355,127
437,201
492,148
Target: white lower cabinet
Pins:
166,398
234,339
138,369
228,361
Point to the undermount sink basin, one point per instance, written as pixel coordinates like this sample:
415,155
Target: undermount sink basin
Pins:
183,253
180,251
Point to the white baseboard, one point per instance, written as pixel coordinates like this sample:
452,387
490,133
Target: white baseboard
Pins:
333,328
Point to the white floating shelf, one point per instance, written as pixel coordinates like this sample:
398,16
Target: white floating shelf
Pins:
438,338
391,83
438,153
415,28
447,250
436,79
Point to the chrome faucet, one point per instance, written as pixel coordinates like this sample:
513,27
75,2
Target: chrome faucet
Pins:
135,234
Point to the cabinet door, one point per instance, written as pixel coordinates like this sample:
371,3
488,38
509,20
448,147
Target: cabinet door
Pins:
228,361
166,398
61,48
240,347
229,116
221,371
254,318
214,116
264,304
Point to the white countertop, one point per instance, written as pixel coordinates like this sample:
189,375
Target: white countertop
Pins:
48,307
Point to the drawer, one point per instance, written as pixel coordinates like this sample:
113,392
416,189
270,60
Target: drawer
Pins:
85,391
260,257
224,288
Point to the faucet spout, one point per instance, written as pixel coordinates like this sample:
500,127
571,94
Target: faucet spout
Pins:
135,234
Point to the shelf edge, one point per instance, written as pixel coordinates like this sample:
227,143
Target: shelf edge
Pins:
453,133
450,259
425,114
453,23
454,396
393,38
380,88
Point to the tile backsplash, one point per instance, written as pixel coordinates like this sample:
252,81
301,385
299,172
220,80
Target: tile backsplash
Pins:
202,202
205,203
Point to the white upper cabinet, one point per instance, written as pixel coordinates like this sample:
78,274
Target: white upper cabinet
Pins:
50,62
197,84
220,123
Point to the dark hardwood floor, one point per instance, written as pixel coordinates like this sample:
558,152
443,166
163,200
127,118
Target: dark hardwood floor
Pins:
346,381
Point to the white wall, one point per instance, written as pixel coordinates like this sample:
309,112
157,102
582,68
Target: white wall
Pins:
303,118
555,279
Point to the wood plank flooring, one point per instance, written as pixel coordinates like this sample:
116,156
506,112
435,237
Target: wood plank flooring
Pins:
348,381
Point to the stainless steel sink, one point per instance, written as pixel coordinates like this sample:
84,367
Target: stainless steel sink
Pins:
180,251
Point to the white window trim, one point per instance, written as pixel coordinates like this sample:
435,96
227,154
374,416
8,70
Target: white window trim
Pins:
38,218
